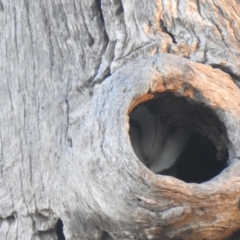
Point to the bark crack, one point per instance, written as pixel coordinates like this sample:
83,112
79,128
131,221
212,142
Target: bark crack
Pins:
165,30
2,156
15,31
31,37
23,192
65,19
49,34
1,6
10,95
226,69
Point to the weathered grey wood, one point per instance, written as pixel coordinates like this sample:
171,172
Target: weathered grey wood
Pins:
71,71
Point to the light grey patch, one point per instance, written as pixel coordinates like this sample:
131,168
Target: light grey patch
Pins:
151,137
188,70
174,143
135,136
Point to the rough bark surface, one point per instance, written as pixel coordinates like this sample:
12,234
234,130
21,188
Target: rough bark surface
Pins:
71,72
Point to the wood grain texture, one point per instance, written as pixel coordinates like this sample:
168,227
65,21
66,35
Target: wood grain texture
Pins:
70,73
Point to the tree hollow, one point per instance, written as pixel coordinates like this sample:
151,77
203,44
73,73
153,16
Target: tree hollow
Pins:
205,153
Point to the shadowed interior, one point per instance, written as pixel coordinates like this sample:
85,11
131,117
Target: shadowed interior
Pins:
205,153
198,162
59,230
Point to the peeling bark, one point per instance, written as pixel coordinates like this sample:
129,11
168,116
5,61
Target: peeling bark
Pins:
71,73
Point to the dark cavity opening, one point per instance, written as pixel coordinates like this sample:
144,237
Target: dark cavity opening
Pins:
179,137
198,162
234,236
106,236
59,230
99,9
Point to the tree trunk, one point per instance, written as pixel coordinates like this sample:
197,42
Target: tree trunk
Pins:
76,162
